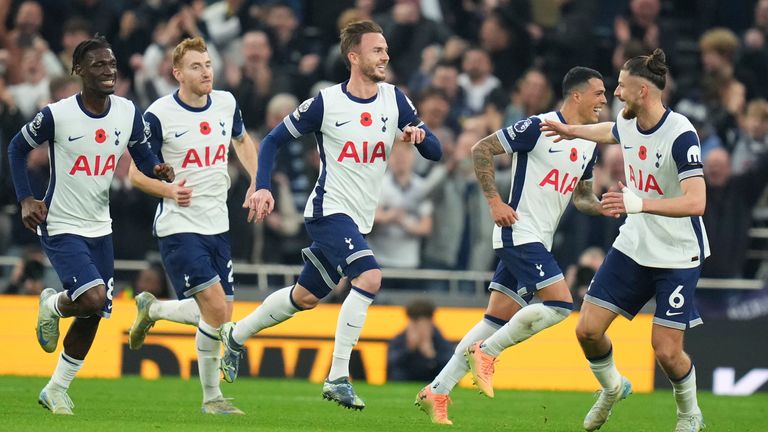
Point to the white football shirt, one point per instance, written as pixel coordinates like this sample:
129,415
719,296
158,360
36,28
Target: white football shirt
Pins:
655,162
83,151
195,142
354,138
544,176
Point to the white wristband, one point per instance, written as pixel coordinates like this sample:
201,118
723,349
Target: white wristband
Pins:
632,202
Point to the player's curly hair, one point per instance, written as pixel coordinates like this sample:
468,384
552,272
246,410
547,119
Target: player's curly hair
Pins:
651,67
352,34
86,46
187,45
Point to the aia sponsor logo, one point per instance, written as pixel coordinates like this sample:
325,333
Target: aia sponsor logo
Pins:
97,166
644,182
208,157
562,183
364,153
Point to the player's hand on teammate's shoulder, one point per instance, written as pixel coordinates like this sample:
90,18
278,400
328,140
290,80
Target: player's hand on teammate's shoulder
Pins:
502,213
33,212
261,203
413,135
181,193
556,129
164,172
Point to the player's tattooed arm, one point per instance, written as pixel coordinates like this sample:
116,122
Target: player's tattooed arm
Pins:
482,156
585,200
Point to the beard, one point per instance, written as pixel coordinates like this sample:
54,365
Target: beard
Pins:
369,71
629,112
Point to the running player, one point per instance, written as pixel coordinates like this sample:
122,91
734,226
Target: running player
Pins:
659,250
191,130
545,176
86,133
355,124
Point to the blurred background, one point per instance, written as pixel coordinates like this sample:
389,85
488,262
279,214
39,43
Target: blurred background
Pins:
470,66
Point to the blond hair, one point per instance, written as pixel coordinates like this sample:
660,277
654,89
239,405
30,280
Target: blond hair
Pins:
188,44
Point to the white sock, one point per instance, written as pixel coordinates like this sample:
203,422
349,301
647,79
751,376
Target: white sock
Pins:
457,366
348,328
525,323
208,354
65,372
276,308
685,393
180,311
52,304
605,371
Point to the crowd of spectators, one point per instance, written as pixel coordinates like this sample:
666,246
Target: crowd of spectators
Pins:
470,66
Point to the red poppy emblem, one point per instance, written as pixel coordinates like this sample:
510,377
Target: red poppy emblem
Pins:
101,136
643,153
365,119
574,154
205,128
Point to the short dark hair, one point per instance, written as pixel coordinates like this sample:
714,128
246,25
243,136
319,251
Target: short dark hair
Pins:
651,67
352,34
577,76
420,309
86,46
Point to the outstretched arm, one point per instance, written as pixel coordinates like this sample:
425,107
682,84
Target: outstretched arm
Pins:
599,133
482,156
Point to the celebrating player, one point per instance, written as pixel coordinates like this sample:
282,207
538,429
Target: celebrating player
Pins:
192,129
544,177
86,133
659,250
355,124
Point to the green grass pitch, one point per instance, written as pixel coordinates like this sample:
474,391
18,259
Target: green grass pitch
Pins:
169,404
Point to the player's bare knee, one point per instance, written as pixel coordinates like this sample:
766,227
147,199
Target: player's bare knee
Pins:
369,281
91,301
667,354
304,299
587,335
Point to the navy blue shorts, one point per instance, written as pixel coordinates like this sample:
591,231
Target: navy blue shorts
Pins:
532,266
82,263
623,286
338,249
195,262
505,282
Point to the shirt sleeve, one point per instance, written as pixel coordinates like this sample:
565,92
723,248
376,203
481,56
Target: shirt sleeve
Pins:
237,123
307,118
615,133
40,129
155,138
687,154
590,165
407,114
520,137
140,132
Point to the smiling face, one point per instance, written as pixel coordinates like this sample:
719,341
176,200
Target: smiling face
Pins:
370,57
195,73
98,71
630,91
591,100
